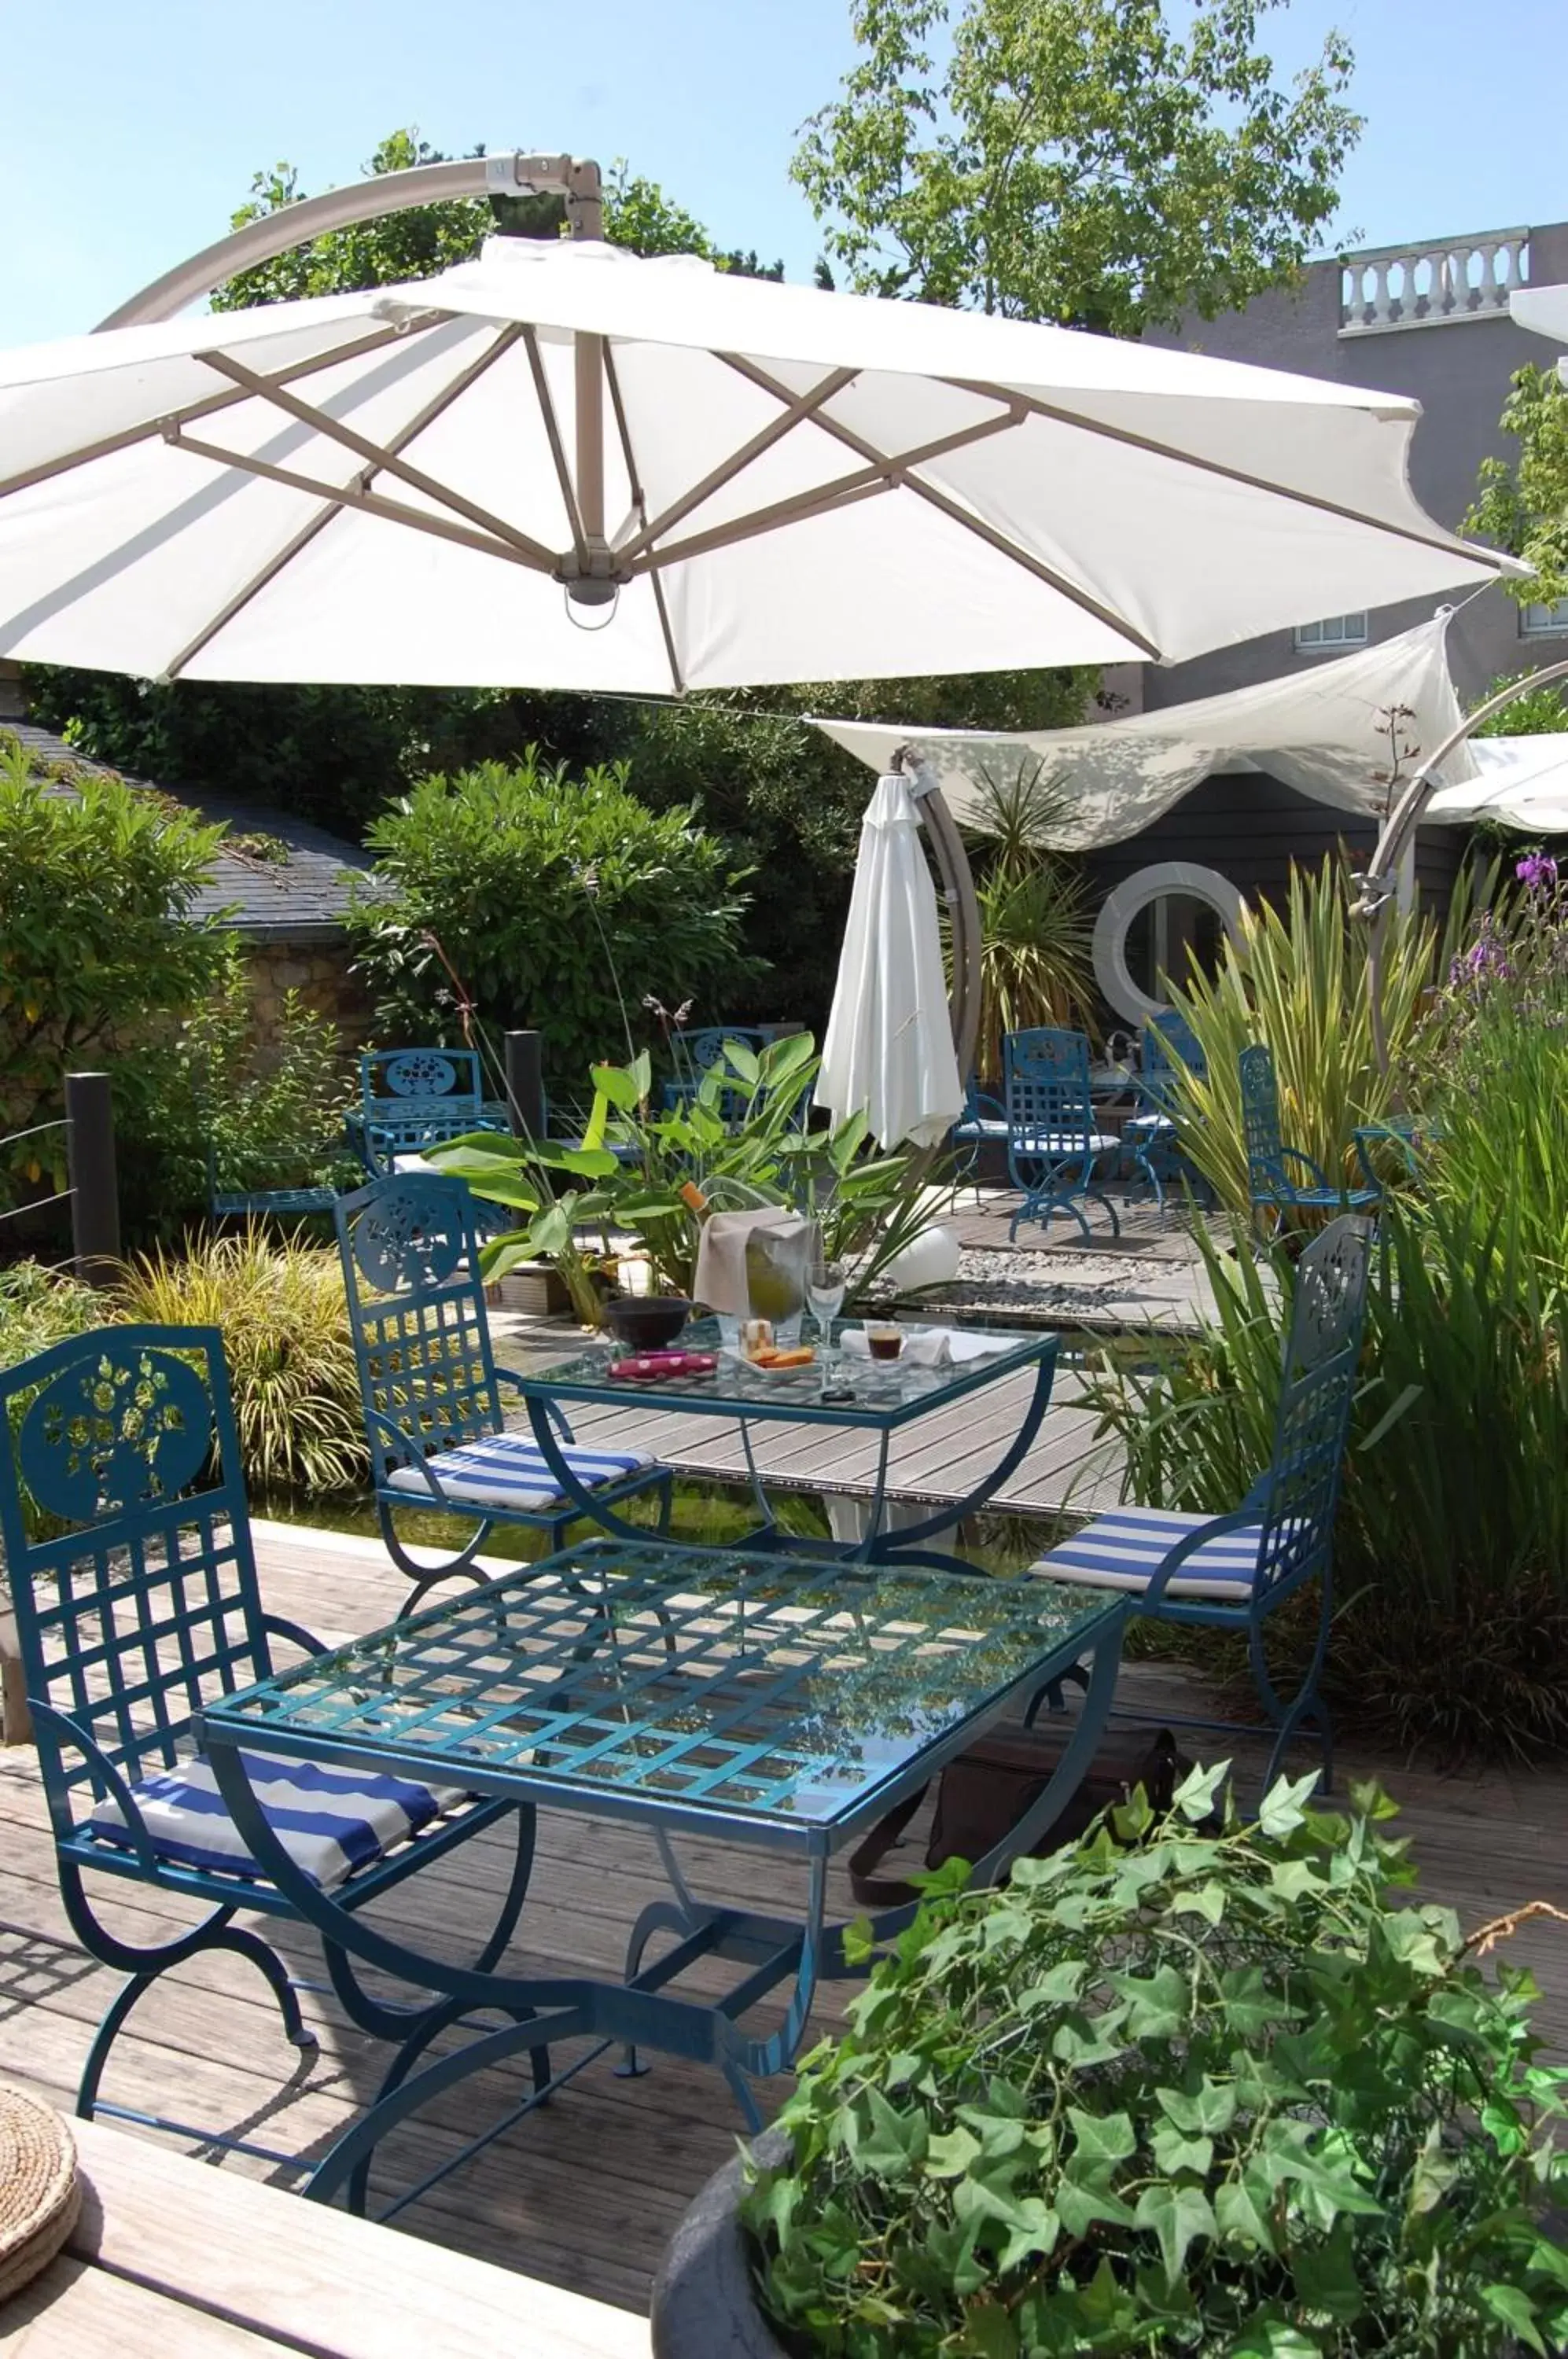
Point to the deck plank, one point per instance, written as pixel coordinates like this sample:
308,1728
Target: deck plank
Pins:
585,2193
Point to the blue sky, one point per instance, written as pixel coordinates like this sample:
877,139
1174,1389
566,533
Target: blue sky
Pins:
132,128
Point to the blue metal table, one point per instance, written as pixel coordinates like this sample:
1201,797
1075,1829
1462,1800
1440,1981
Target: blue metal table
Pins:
778,1703
886,1397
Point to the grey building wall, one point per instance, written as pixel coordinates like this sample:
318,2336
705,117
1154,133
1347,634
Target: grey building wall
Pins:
1458,369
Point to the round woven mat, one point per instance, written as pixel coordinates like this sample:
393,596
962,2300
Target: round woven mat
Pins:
40,2192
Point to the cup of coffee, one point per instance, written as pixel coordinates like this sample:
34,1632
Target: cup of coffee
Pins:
883,1340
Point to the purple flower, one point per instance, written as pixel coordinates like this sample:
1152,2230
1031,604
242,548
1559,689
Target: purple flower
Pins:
1537,872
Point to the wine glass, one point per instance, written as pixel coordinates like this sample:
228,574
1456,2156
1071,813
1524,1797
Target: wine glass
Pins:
827,1282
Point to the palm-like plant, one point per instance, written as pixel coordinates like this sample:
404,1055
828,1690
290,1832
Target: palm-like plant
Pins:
1034,923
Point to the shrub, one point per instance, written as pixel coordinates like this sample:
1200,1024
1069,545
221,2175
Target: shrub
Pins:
98,942
271,1113
286,1337
560,902
40,1306
1219,2094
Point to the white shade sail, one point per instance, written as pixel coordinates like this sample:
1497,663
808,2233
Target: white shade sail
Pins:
888,1048
757,482
1521,782
1322,729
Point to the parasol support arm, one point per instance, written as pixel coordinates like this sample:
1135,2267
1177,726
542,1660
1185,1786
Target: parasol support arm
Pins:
575,178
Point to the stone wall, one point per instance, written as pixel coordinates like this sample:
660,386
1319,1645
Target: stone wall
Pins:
319,973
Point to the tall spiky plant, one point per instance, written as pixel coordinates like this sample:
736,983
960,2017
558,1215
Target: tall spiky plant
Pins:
1297,979
1034,925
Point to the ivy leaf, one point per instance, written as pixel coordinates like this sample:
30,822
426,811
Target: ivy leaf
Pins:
1239,2217
1515,2308
1198,1792
1325,2278
989,2332
1176,2215
1102,2137
1282,1811
1060,1987
950,2155
1157,2003
1083,2195
1174,2152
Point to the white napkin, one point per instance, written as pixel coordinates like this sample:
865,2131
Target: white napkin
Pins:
931,1347
720,1279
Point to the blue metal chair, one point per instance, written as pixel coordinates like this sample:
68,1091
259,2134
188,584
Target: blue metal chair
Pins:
1269,1163
1053,1138
1232,1572
412,1098
1169,1048
431,1387
983,1123
263,1203
128,1540
696,1054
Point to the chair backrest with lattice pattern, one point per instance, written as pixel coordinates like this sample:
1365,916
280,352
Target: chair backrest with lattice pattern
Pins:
1316,1394
410,1262
1046,1085
128,1540
1265,1167
1167,1042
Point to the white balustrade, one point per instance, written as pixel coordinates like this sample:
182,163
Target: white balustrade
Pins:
1393,287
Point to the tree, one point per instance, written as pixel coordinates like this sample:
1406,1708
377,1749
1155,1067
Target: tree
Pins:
1075,160
1522,505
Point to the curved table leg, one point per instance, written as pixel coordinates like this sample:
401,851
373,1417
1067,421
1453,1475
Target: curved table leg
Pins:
910,1536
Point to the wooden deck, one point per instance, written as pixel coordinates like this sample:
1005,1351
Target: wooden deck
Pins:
585,2193
939,1457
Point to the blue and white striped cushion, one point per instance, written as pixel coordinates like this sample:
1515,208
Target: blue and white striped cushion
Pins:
507,1470
1126,1548
329,1821
1147,1125
1062,1142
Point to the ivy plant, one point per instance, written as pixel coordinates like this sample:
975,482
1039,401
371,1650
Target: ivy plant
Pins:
1176,2092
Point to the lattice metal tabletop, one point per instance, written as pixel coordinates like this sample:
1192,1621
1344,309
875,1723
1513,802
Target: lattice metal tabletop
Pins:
767,1698
788,1700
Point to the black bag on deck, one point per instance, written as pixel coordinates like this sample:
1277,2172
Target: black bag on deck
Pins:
981,1797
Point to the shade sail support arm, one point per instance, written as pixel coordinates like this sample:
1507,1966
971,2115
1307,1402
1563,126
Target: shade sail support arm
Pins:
1380,884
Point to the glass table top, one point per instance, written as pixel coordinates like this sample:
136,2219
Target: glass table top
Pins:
880,1392
785,1695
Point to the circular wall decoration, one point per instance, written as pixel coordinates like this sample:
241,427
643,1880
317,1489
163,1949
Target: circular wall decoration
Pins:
1132,896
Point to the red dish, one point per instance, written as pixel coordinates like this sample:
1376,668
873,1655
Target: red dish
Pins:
647,1366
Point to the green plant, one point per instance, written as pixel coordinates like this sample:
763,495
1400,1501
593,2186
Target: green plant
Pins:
100,944
286,1337
40,1306
270,1115
1034,924
740,1139
1450,1548
1218,2093
522,873
1297,980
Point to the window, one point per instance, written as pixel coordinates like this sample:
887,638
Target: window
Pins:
1544,622
1334,632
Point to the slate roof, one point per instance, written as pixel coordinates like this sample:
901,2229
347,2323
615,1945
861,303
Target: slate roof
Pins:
301,900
